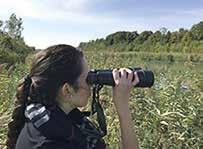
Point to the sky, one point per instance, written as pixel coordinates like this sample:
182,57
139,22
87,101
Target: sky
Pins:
50,22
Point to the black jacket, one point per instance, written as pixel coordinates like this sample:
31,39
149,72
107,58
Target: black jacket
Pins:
60,131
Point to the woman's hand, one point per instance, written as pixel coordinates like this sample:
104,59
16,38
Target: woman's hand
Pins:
123,83
121,94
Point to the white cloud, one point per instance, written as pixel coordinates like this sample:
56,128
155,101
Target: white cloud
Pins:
70,5
51,10
21,7
76,11
198,13
66,11
43,42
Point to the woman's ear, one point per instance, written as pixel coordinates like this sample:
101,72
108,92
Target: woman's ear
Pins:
65,99
67,90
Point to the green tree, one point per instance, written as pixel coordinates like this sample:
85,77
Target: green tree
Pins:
174,37
187,37
1,24
12,46
14,27
6,42
143,37
167,37
121,37
157,35
163,30
164,35
197,31
182,33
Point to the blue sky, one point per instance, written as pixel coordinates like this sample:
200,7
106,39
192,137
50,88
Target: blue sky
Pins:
49,22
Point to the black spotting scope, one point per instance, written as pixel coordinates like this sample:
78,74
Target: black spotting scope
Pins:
105,77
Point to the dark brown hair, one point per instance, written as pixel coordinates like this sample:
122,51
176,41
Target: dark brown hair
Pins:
50,69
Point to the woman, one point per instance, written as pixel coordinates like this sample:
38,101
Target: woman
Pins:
46,114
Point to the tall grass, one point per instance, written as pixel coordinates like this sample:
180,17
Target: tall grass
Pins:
168,115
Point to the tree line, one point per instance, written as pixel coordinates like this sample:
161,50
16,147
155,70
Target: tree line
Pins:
163,40
14,49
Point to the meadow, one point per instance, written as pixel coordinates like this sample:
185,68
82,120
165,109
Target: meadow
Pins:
167,116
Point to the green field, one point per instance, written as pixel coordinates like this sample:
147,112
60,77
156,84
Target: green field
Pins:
168,115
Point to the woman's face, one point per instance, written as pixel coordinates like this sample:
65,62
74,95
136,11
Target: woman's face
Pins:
80,97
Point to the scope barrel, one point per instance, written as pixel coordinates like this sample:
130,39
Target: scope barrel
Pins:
105,77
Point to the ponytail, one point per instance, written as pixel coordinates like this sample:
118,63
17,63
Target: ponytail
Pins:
18,118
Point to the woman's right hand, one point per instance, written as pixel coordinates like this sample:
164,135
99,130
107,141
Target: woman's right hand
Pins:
121,95
123,84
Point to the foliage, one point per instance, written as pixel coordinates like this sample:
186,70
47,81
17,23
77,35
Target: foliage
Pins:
168,115
13,27
12,46
197,31
184,41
